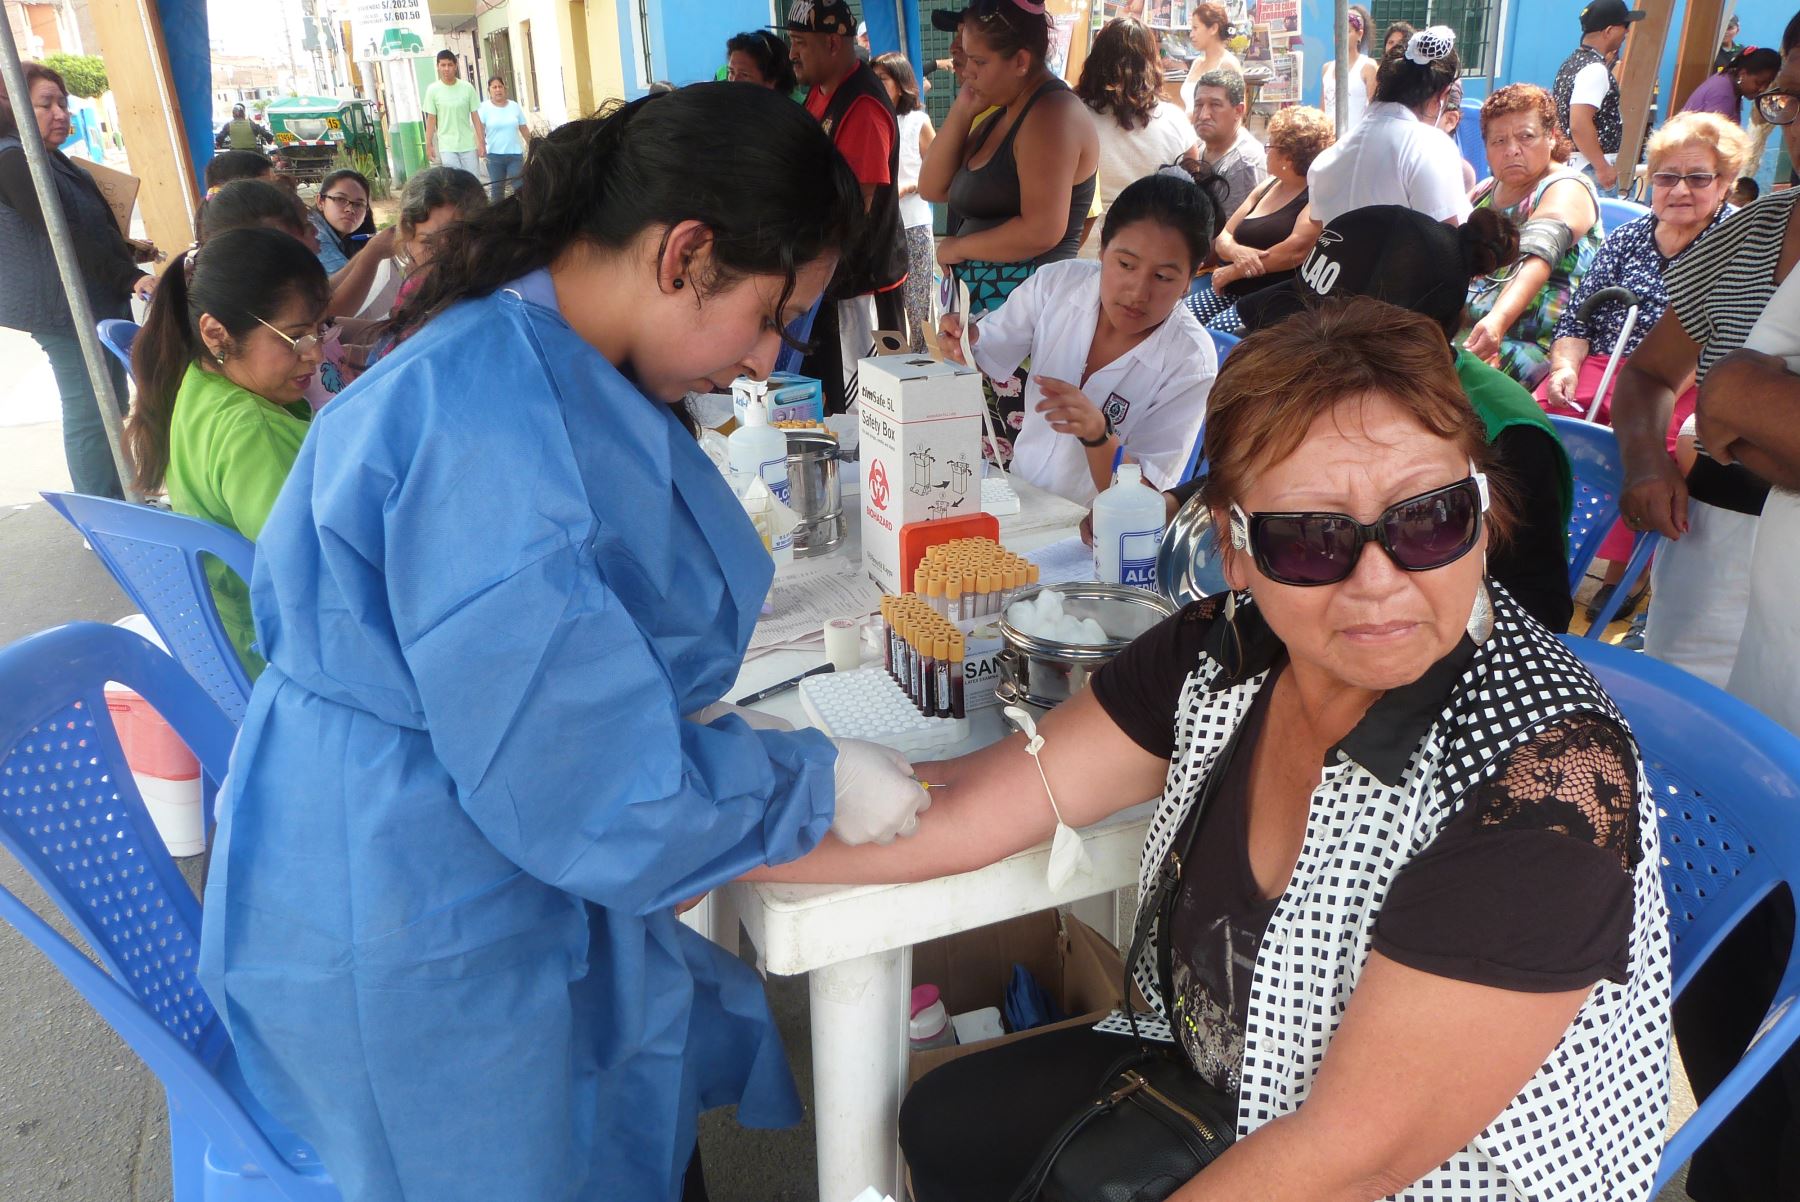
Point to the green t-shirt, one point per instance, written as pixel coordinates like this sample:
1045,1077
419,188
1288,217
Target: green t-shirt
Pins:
452,105
230,452
1501,402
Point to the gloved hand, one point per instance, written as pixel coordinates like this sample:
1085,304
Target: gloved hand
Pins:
878,796
754,719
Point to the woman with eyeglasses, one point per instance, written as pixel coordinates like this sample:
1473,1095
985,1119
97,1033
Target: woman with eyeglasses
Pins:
343,219
1513,312
1397,811
222,367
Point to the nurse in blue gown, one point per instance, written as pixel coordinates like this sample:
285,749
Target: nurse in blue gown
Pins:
440,919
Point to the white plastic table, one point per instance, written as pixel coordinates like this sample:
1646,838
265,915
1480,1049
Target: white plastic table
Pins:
855,942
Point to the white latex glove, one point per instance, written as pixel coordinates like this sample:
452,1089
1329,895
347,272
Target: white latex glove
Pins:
754,719
878,797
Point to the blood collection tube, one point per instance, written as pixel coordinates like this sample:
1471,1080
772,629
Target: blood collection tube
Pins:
941,695
928,674
953,602
916,689
957,707
934,592
887,633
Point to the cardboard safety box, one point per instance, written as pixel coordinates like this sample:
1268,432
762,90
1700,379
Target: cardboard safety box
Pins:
921,452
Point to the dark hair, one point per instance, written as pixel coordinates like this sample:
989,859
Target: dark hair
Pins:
770,54
368,222
1227,80
1753,59
1748,187
1367,19
246,203
446,54
1790,36
1404,27
1487,242
228,165
1010,29
238,277
1399,80
35,73
776,195
495,79
1188,198
1122,73
433,188
896,67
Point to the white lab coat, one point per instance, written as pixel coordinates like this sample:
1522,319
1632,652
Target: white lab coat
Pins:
1155,393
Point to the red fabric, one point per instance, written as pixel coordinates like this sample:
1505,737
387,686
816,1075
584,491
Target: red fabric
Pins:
1617,546
864,135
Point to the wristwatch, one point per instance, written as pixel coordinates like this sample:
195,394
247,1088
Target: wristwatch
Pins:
1105,434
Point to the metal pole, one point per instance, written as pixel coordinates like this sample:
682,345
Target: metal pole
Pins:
1342,70
62,244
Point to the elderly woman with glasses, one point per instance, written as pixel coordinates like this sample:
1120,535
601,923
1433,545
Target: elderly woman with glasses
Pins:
1392,810
1513,312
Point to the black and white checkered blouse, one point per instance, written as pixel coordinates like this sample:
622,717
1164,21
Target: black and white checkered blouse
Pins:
1589,1125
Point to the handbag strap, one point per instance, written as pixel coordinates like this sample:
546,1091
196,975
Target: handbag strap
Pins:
1162,893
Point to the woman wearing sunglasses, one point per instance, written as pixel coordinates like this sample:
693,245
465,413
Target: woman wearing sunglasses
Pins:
222,366
1418,924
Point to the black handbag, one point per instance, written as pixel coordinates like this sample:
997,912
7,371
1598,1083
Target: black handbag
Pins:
1153,1122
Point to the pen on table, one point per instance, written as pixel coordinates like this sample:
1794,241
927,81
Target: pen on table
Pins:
781,686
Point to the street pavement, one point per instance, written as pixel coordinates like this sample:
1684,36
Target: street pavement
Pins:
81,1118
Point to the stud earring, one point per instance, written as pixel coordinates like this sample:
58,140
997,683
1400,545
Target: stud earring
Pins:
680,283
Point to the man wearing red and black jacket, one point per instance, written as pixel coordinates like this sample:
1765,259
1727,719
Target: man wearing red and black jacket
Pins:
850,103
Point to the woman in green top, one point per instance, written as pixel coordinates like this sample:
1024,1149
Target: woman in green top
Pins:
222,366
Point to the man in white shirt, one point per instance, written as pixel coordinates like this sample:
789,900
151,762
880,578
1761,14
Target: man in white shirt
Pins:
1225,145
1587,94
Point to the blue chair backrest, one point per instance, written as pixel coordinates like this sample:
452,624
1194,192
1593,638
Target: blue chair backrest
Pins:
1599,479
71,814
788,359
116,335
156,556
1615,211
1727,782
1223,343
1468,138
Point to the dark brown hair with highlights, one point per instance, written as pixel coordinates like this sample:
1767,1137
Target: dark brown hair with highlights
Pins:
1121,74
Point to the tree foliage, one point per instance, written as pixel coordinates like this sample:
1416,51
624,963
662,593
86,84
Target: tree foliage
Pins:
85,74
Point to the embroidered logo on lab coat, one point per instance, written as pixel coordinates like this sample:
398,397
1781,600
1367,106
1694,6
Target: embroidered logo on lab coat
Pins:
1115,408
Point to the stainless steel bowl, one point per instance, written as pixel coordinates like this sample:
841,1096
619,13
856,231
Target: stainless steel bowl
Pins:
1188,562
815,494
1044,672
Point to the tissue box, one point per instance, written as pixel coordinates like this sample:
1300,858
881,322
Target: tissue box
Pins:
790,397
921,452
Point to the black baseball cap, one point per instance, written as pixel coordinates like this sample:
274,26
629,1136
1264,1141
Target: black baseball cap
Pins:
1388,252
819,16
948,20
1604,14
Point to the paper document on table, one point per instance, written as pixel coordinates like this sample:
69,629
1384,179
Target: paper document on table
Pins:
1064,562
806,595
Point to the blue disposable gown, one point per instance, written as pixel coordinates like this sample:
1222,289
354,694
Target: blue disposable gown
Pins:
438,922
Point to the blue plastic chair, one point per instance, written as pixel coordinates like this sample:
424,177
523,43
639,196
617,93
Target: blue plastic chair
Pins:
116,335
1615,211
788,359
1468,138
1223,343
71,815
155,556
1727,782
1599,479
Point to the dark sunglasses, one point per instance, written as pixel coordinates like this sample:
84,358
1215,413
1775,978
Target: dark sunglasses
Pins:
1419,534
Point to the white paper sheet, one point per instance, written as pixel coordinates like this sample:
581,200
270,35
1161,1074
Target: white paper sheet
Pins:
808,592
1064,562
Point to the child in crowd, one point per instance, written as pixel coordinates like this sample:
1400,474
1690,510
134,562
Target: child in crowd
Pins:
1119,366
1745,191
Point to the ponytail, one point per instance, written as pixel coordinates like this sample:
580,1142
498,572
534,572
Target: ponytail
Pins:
238,277
775,195
1421,69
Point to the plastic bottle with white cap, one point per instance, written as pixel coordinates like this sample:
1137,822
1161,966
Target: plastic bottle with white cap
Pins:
1128,530
930,1024
756,448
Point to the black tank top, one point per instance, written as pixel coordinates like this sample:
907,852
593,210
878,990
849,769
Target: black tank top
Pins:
984,197
1262,233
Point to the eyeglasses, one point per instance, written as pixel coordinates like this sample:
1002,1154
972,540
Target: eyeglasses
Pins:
338,198
304,345
1420,534
1778,106
1695,180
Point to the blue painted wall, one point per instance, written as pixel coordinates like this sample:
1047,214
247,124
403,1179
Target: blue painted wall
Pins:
687,37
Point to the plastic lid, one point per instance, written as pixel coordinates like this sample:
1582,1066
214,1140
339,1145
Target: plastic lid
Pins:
756,412
1130,473
923,998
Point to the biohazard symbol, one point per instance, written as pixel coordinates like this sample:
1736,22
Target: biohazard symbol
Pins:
878,485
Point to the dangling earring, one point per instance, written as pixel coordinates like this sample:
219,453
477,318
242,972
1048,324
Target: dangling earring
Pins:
1236,666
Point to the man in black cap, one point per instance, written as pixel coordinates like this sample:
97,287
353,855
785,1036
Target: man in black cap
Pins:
1403,257
1587,94
851,104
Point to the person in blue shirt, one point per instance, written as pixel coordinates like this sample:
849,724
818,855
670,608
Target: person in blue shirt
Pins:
507,132
500,598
